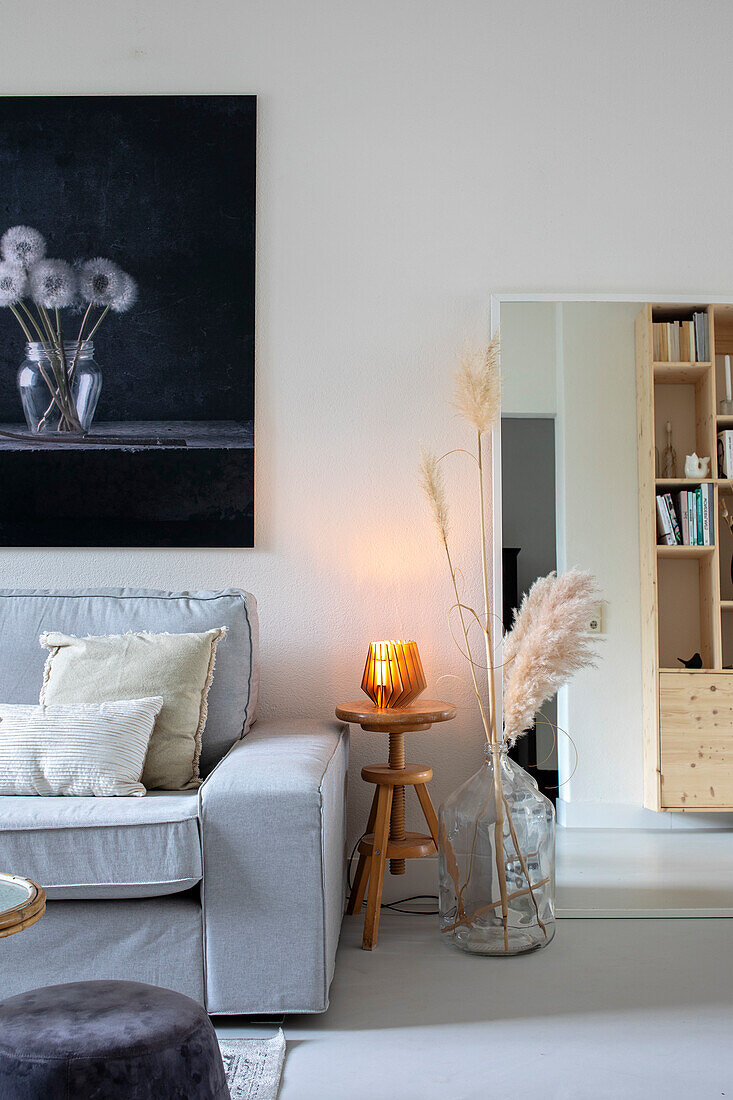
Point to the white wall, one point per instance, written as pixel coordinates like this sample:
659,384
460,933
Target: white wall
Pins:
413,158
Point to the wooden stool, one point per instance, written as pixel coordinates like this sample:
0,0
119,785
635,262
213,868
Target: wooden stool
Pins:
386,837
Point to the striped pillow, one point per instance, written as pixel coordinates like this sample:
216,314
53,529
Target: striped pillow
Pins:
81,749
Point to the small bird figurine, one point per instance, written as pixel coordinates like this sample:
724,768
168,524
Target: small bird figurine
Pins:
695,661
696,467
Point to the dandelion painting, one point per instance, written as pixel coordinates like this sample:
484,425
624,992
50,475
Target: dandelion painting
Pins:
127,320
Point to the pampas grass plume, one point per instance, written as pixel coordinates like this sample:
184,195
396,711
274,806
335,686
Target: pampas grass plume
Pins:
477,395
431,480
547,645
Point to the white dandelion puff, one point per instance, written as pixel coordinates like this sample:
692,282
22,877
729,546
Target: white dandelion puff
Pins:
101,282
127,296
13,283
53,284
22,245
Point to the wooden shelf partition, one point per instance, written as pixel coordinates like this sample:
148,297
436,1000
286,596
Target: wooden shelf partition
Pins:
686,591
680,373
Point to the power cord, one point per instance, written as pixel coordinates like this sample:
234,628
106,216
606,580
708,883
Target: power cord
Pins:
402,901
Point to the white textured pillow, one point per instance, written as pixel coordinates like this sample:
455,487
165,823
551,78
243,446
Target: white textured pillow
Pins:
79,749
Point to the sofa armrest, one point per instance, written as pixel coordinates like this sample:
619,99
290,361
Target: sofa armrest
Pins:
274,851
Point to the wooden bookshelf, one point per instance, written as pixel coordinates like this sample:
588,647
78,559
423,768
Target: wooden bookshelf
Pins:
686,591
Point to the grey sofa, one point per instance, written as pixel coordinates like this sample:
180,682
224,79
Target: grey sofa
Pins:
232,894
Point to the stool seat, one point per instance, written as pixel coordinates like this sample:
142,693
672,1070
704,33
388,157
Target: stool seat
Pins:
108,1041
413,846
409,776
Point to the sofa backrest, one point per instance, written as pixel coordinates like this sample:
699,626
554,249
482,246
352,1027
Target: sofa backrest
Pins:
24,615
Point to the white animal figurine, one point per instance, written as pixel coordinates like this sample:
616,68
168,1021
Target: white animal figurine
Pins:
696,467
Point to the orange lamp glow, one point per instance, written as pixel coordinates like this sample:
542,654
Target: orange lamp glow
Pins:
393,676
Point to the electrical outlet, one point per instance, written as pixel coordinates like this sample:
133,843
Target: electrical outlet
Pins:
595,621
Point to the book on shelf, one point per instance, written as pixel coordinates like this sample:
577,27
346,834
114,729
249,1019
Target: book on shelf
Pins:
701,336
683,510
665,533
725,454
681,341
700,527
688,518
708,515
674,520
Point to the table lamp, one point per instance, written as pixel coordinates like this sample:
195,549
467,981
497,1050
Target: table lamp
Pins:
393,674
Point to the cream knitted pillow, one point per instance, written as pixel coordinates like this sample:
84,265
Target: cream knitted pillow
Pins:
179,667
90,749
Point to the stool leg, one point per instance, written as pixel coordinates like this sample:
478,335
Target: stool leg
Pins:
376,873
397,823
429,810
358,889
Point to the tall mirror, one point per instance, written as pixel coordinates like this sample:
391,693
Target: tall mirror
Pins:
610,411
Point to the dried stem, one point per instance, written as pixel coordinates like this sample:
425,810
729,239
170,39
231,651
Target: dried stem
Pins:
22,324
99,321
499,842
523,863
499,799
493,905
486,721
487,601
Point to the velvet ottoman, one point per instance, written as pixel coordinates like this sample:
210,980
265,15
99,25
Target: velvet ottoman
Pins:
108,1041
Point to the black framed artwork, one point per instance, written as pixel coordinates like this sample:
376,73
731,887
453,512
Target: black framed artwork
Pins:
164,187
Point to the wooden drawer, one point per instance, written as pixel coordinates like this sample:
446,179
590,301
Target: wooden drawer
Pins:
696,740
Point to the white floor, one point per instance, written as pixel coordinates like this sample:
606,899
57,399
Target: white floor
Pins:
633,1009
628,873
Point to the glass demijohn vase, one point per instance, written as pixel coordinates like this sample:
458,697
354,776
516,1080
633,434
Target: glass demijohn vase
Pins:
471,874
54,401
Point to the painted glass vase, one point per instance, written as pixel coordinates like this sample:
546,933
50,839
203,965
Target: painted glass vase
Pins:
59,393
497,861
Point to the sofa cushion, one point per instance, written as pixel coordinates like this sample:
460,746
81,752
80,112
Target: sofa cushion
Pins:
80,749
25,615
180,668
103,847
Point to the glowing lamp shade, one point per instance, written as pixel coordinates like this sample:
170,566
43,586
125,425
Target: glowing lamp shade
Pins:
393,676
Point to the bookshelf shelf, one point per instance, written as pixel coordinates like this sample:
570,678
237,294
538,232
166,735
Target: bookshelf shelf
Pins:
684,551
682,671
686,591
682,482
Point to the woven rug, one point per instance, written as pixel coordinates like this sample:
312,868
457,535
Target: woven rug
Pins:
253,1066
